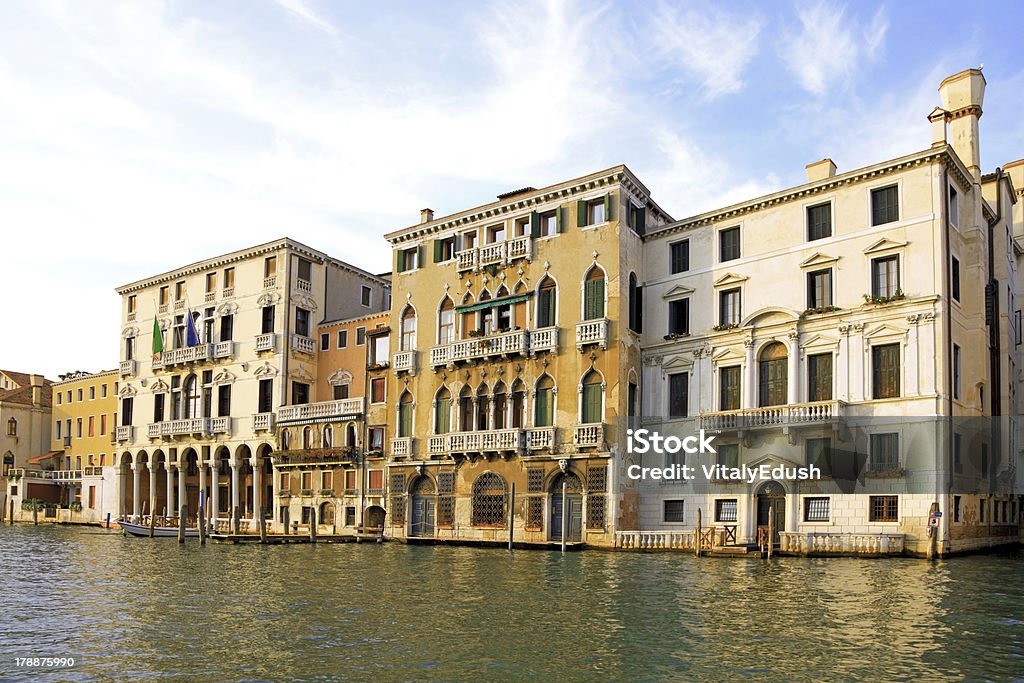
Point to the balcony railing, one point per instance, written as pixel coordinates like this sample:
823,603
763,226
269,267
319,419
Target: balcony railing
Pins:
66,475
224,349
773,416
401,447
92,471
520,247
196,426
210,297
266,342
489,441
124,433
189,354
836,543
539,438
404,360
315,456
544,339
127,368
504,344
303,344
228,292
262,422
496,253
588,435
592,332
270,282
492,253
325,410
467,259
304,285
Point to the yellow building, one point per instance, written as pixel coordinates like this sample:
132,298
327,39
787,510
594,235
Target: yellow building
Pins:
512,359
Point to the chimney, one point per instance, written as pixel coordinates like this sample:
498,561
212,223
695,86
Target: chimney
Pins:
426,215
820,170
36,382
962,95
938,119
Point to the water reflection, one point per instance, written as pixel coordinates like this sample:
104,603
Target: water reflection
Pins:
133,608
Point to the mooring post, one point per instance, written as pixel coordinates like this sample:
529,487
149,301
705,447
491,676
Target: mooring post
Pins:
286,518
236,522
201,523
771,530
696,538
35,513
11,517
312,525
108,520
565,515
511,514
152,525
181,524
263,526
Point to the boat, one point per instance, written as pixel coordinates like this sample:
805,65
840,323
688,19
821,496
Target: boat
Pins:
158,531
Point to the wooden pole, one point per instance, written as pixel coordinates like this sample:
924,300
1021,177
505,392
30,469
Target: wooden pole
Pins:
771,530
11,518
201,521
152,524
286,518
35,512
108,520
263,526
236,522
511,514
181,523
565,516
312,525
696,538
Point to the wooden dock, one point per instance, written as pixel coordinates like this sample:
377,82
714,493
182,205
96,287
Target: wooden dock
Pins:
279,539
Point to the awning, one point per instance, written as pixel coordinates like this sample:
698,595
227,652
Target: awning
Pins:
494,302
45,456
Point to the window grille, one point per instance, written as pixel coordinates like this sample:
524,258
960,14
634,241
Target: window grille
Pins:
489,498
534,480
595,511
597,479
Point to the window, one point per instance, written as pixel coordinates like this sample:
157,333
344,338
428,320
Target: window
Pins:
339,392
819,288
92,426
673,511
819,454
636,304
229,278
958,453
593,294
300,393
381,343
726,510
488,500
546,303
679,317
103,391
544,405
304,272
885,362
224,400
816,509
327,479
956,371
56,430
408,259
132,304
301,322
129,353
443,412
12,427
266,397
679,257
342,339
163,297
78,428
270,266
446,322
211,283
729,455
772,371
592,408
729,244
885,276
360,336
819,377
729,388
158,407
377,392
954,207
59,395
179,291
549,223
883,509
954,277
885,452
126,412
407,342
885,205
729,307
325,341
596,211
444,250
81,395
376,437
227,327
819,222
678,394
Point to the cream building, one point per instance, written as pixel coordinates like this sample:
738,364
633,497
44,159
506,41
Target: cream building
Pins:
201,418
25,407
830,323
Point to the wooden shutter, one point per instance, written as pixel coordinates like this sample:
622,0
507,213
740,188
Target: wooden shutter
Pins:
437,250
421,256
559,223
608,206
541,417
543,308
591,403
640,220
581,213
400,261
640,309
593,306
534,224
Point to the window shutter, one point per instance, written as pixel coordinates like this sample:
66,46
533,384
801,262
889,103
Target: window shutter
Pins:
593,299
540,419
581,213
543,309
608,206
437,251
640,221
534,224
591,403
421,256
559,223
640,309
400,261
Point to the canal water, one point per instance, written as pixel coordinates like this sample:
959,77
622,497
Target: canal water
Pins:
129,609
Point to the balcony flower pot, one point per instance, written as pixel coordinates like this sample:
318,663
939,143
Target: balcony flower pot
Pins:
818,310
676,335
871,300
726,326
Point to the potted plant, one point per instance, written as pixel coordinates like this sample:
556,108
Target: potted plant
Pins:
815,310
725,326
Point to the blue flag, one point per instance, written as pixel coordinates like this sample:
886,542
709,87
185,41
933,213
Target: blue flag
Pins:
191,333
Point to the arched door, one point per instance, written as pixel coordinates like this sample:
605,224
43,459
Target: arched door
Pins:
771,499
424,504
573,508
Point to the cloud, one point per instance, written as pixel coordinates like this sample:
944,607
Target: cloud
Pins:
831,47
302,10
710,45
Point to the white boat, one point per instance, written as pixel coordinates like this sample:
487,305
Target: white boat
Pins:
161,531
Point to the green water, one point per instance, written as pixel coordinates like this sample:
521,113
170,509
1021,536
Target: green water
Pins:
132,609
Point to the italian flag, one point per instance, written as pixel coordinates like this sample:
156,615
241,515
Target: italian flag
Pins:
158,339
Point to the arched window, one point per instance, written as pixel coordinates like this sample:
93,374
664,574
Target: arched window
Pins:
468,317
446,322
591,406
485,323
465,410
546,302
499,402
635,304
307,437
544,405
285,439
408,338
488,500
12,427
350,436
482,407
328,436
518,404
443,411
191,395
503,313
772,374
405,415
593,294
326,514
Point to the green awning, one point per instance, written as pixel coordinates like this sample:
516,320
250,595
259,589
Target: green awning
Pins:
494,302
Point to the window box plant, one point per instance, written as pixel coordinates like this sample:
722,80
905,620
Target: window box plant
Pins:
725,326
881,300
817,310
676,335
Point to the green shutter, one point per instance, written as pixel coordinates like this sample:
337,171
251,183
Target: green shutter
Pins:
593,304
534,224
400,261
544,308
421,256
405,420
591,403
442,424
541,417
437,251
559,223
640,221
608,206
581,213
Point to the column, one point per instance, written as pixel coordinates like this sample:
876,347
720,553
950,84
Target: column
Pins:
257,484
152,486
172,511
843,365
749,375
136,490
912,362
182,495
793,369
235,465
202,488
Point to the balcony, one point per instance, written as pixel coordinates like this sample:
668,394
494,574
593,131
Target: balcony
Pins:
544,339
266,342
315,456
588,435
303,344
270,282
498,253
520,247
189,354
262,422
466,259
66,476
504,344
404,361
228,292
124,433
193,426
783,416
489,441
304,285
592,332
210,297
92,471
127,368
224,349
320,412
540,438
401,447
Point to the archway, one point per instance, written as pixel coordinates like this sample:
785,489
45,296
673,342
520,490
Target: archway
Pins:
771,499
374,518
573,508
424,506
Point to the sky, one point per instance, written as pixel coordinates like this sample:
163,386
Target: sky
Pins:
136,137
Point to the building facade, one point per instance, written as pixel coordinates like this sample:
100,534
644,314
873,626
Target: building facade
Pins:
25,408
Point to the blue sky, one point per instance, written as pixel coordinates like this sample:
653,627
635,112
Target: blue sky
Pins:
136,137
